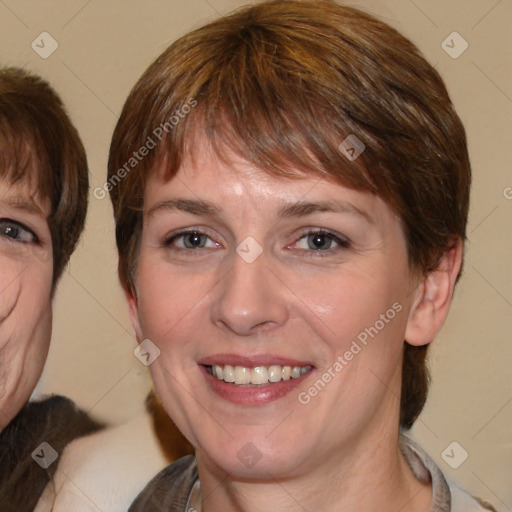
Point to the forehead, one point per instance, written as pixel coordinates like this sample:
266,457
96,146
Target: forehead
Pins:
206,161
217,171
228,182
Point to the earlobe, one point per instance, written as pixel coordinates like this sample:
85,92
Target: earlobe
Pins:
433,298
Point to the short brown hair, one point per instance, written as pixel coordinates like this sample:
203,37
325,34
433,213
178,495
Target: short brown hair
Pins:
282,84
40,145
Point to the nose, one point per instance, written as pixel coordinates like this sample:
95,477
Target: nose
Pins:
250,299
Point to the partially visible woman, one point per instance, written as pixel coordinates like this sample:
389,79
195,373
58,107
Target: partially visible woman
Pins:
43,204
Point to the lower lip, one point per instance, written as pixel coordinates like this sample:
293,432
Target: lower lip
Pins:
253,395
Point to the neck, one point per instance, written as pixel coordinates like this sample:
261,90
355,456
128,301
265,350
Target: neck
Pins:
369,476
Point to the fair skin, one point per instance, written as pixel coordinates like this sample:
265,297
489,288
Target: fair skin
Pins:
26,270
333,260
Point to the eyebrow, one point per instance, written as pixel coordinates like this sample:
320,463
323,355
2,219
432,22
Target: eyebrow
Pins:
24,205
299,209
193,206
303,208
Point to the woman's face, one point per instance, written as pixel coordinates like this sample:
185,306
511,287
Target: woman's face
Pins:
301,287
26,269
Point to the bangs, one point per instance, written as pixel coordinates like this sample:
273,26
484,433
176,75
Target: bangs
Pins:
259,103
22,158
283,147
271,94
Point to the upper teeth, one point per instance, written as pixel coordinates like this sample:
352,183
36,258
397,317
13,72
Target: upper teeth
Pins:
258,374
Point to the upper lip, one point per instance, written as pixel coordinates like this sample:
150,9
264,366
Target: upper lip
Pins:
251,361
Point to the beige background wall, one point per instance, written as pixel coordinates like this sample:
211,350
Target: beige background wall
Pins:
103,47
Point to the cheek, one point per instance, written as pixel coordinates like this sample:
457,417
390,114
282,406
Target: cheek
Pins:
169,300
25,331
26,287
342,305
30,317
36,295
10,284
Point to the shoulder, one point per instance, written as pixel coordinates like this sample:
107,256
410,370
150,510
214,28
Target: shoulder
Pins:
445,495
108,468
50,418
170,489
464,502
55,421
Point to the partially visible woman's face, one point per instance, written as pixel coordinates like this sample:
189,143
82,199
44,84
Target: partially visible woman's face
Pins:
26,269
279,308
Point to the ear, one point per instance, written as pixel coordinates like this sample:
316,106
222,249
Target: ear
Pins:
433,298
133,310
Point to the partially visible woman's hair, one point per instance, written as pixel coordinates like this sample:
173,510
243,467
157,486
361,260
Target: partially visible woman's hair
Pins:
40,146
283,84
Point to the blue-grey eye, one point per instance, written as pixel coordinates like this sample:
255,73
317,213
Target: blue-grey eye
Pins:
320,241
194,240
16,231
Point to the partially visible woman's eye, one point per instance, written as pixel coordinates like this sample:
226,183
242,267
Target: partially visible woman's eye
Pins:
321,241
17,232
190,240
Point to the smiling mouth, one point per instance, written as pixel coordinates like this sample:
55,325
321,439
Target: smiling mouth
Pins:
256,376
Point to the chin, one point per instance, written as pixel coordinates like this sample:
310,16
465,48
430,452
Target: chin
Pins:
258,461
